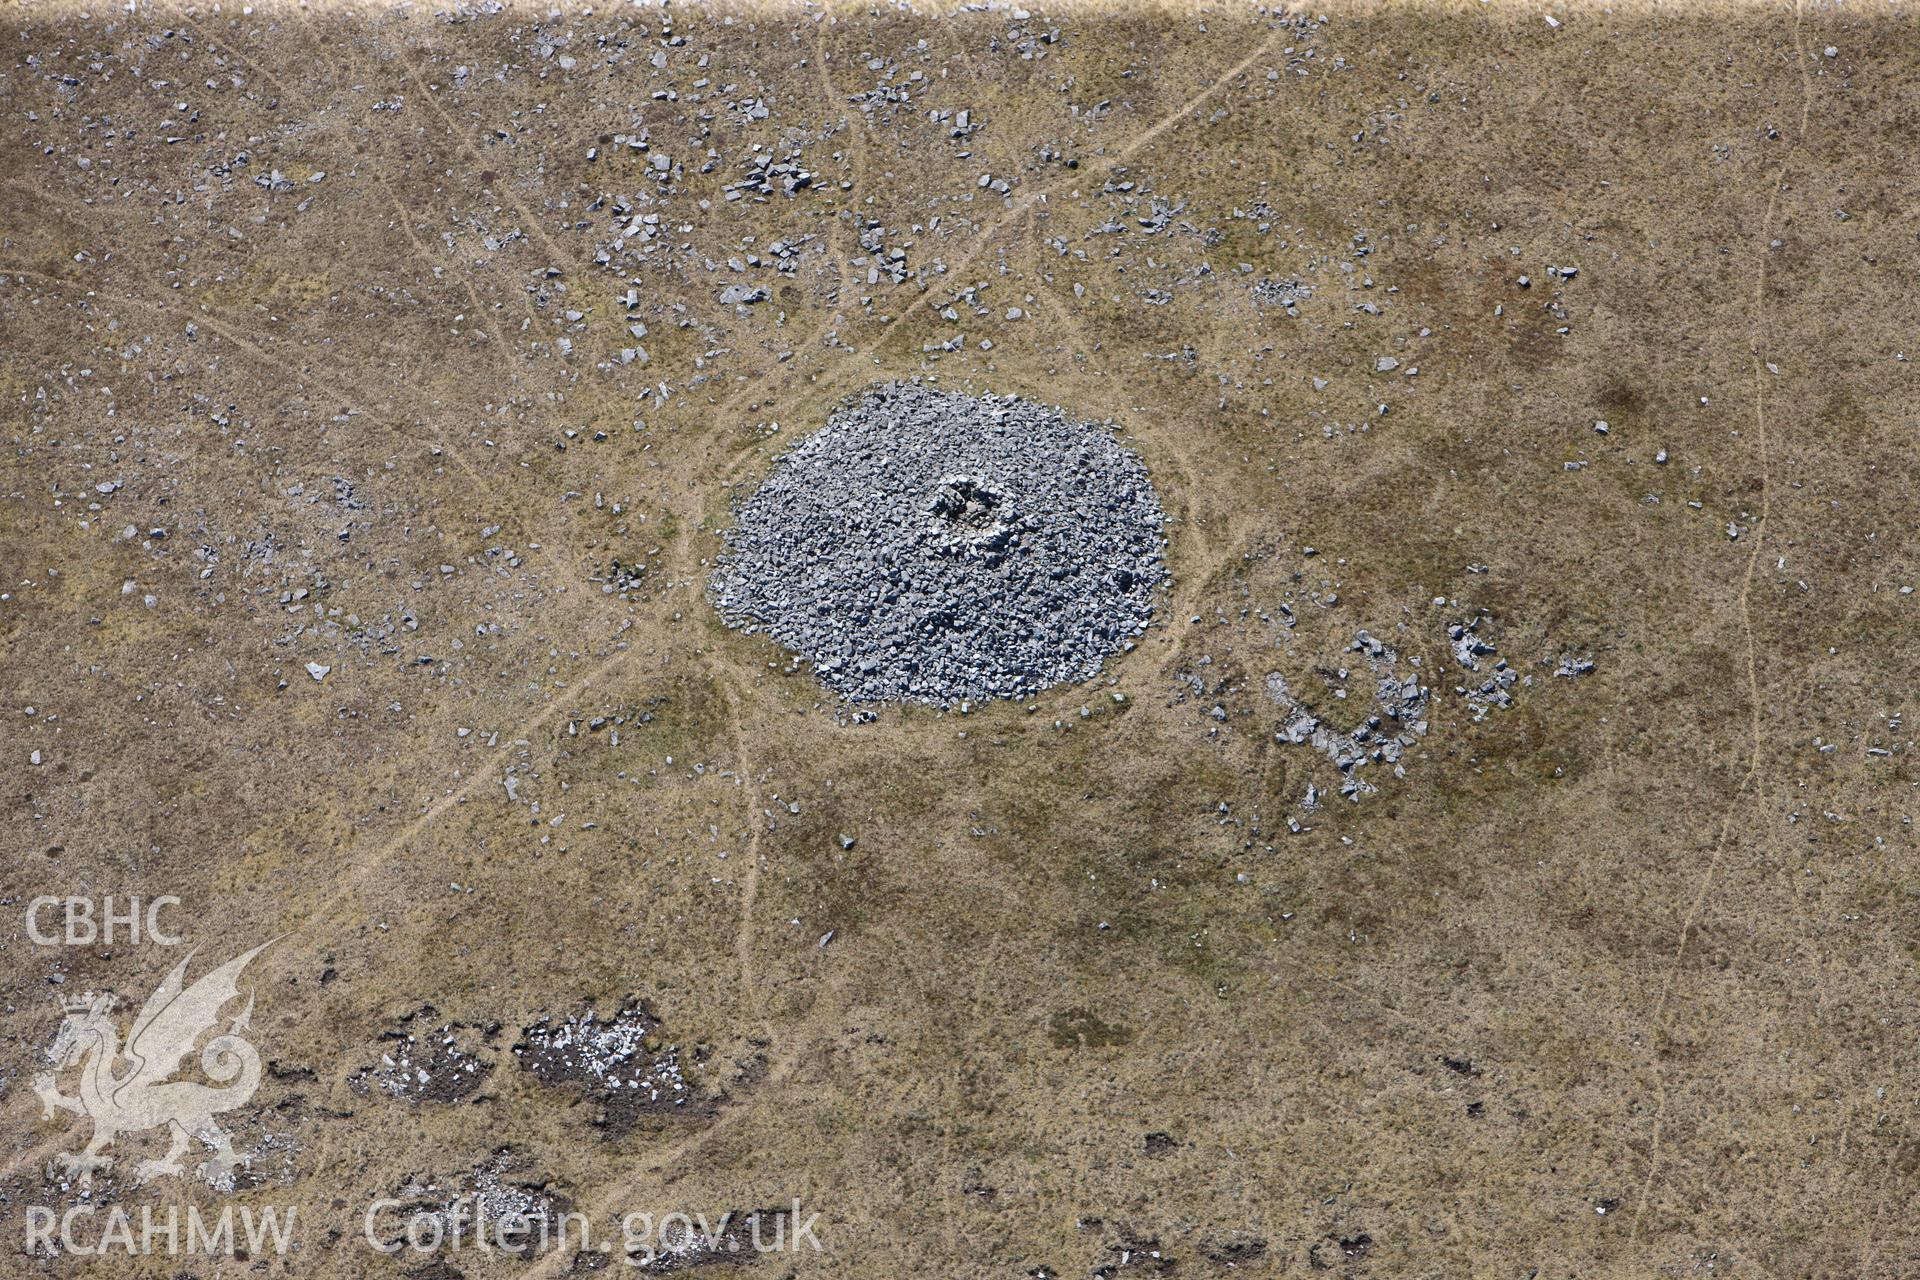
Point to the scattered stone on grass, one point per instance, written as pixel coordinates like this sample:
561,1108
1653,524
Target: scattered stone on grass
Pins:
1397,720
620,1060
446,1064
497,1200
1469,649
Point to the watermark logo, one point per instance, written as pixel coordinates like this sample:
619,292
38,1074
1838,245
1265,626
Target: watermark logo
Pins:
129,1089
95,1231
490,1223
83,921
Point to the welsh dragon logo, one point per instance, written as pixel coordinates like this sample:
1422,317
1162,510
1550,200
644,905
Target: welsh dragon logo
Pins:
127,1090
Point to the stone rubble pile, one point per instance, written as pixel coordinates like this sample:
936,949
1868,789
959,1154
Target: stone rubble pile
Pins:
933,547
1398,719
